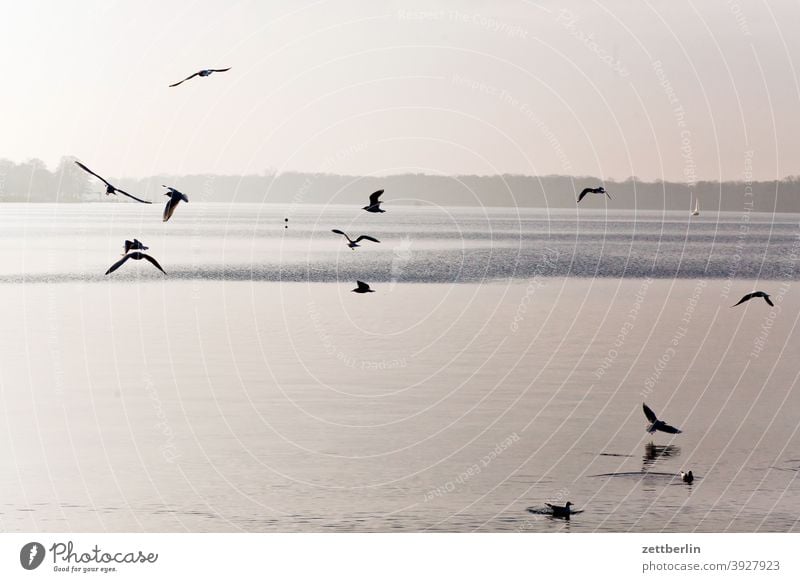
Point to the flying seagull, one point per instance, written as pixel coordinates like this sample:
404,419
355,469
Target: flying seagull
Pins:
203,73
362,288
656,424
354,243
374,204
136,256
599,190
754,294
687,477
561,511
134,245
110,188
174,197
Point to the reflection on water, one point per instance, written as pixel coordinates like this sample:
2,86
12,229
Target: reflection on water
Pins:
654,453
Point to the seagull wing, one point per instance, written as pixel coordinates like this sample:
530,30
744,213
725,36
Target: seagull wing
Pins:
344,234
132,196
670,429
169,209
365,237
118,264
550,505
186,79
85,169
651,416
747,297
373,198
583,193
153,262
362,285
219,70
767,299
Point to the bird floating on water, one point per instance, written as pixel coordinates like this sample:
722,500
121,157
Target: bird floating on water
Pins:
656,424
753,295
374,204
174,197
203,73
687,477
354,243
134,245
136,256
598,190
561,511
110,188
362,288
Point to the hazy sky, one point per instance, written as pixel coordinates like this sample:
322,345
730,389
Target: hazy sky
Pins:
612,88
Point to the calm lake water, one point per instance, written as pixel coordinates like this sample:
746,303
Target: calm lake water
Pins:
501,363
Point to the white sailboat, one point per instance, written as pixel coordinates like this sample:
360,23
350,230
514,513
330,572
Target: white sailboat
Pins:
696,211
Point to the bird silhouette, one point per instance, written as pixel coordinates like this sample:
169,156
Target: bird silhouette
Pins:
174,197
354,243
598,190
374,204
136,256
110,188
362,288
753,295
656,424
203,73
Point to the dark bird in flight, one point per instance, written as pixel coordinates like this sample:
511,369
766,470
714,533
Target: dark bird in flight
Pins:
174,197
656,424
687,477
354,243
136,256
203,73
599,190
362,288
753,295
561,511
110,188
374,204
134,245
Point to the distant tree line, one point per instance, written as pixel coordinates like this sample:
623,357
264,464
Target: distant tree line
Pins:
32,181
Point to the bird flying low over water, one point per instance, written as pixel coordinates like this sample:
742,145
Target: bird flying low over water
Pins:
374,204
136,256
362,288
687,477
134,245
656,424
110,188
753,295
203,73
174,197
354,243
599,190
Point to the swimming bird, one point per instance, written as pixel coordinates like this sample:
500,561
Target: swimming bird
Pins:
110,188
134,245
687,477
174,197
362,288
656,424
599,190
753,295
374,204
203,73
354,243
561,511
136,256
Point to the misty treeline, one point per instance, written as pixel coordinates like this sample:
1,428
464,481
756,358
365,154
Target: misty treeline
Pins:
33,181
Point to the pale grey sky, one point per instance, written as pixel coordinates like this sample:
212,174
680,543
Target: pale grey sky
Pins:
437,86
